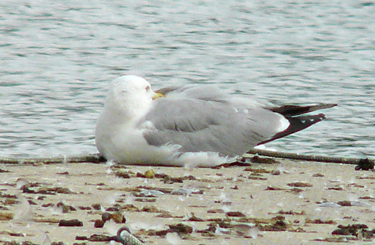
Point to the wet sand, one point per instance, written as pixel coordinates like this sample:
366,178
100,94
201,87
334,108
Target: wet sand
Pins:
289,202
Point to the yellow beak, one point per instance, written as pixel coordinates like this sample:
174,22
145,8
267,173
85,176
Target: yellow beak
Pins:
157,96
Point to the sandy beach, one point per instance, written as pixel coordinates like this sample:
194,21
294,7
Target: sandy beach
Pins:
287,202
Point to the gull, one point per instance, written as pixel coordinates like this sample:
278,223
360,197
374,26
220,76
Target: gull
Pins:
191,126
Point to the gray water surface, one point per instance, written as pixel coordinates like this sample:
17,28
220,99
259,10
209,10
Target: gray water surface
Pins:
58,58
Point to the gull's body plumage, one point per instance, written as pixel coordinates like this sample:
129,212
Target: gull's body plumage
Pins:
189,125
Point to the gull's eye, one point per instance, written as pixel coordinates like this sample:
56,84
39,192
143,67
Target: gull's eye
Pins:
147,88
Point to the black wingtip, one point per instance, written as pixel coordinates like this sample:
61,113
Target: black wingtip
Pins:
297,123
295,110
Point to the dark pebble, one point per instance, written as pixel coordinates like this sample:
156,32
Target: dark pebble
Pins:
84,208
99,223
96,206
31,202
71,222
365,164
106,216
113,209
118,217
100,238
124,175
181,228
81,238
266,160
235,214
48,205
345,203
346,230
65,208
64,173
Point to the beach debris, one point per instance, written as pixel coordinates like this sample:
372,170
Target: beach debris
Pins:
299,184
247,230
84,208
61,243
337,239
215,211
65,208
96,206
277,223
150,174
6,216
126,237
97,238
151,209
186,191
130,208
365,164
326,204
290,212
243,162
256,177
358,230
295,190
70,222
319,221
336,188
148,193
257,170
117,217
235,214
20,243
11,201
318,175
357,203
63,173
273,188
344,203
170,180
263,160
195,218
181,229
122,174
37,188
275,172
145,199
4,170
99,223
247,227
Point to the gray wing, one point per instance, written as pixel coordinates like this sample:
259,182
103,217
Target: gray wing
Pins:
203,119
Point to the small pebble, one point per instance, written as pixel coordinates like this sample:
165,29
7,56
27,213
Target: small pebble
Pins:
71,222
99,223
149,174
96,206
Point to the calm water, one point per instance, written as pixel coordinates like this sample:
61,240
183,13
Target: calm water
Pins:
58,58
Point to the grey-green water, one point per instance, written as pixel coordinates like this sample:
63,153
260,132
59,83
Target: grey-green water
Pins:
57,58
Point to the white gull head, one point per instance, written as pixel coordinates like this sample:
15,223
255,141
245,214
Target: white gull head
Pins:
129,96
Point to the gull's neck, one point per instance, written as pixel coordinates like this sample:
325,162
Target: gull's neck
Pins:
126,111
